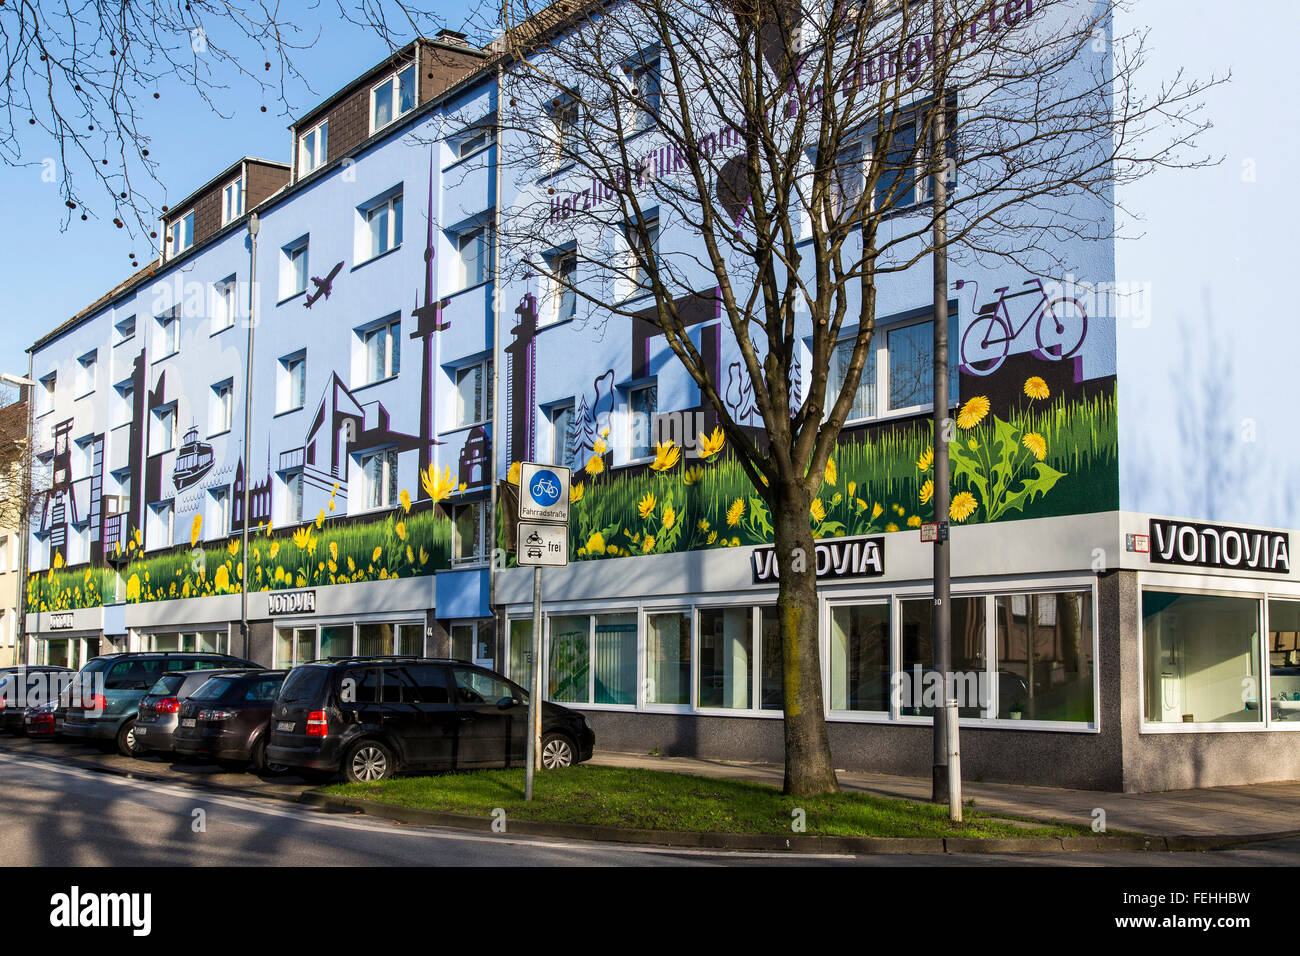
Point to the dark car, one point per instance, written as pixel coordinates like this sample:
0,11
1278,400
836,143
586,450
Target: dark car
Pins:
159,710
106,692
24,687
370,717
227,719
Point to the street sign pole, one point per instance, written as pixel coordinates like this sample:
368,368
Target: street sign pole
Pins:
535,689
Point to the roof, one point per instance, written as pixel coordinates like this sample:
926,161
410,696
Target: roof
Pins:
219,178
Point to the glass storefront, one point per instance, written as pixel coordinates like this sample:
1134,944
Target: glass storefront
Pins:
297,643
1044,656
668,658
1284,659
214,640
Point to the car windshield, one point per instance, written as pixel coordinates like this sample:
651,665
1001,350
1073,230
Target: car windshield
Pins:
167,686
303,683
212,688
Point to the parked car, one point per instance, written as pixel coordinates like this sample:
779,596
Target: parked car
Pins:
370,717
44,720
106,692
159,710
227,719
23,687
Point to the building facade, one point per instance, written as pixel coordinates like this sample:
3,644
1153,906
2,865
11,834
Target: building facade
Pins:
403,363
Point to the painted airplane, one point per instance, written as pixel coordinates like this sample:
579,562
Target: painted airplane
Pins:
323,286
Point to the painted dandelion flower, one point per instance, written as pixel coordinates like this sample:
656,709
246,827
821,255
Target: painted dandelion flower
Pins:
301,537
914,521
891,527
576,491
927,491
670,517
817,510
831,474
926,460
646,505
667,454
963,506
876,510
703,524
1035,387
196,529
400,529
374,555
595,465
405,498
596,543
1035,443
972,413
735,511
512,475
599,447
648,544
437,486
712,443
692,475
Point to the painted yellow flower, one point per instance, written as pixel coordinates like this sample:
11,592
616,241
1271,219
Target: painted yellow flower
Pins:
817,510
139,536
667,454
374,555
400,529
463,486
576,491
837,498
972,413
963,506
233,546
853,488
410,555
334,550
711,444
581,552
612,549
599,448
333,566
831,474
221,580
735,511
405,498
437,486
196,529
58,560
914,521
735,542
133,588
891,527
670,517
320,520
301,537
926,460
876,510
512,475
972,444
268,529
302,579
279,574
595,465
713,536
352,565
927,491
862,505
703,524
1035,387
383,574
648,544
646,505
596,543
692,475
274,550
1035,443
900,510
424,556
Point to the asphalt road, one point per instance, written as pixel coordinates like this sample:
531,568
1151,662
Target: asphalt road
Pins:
55,814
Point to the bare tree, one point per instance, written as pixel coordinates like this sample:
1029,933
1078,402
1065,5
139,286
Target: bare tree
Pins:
791,140
22,481
79,76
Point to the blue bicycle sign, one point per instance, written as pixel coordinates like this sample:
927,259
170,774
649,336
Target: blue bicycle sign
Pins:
545,488
543,492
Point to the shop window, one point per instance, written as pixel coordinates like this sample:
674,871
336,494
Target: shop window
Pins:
1284,659
336,641
462,642
1200,658
668,658
592,659
520,652
771,686
376,640
859,652
294,645
569,666
968,655
1044,663
726,662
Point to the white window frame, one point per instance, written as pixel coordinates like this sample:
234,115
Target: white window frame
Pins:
565,114
637,283
223,304
293,497
160,508
555,292
181,234
389,333
478,233
223,399
319,150
646,65
167,436
482,414
87,373
49,383
120,330
289,399
388,466
879,352
232,200
289,284
219,512
169,333
632,448
394,82
481,549
371,245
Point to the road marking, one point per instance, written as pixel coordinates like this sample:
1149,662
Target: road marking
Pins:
301,812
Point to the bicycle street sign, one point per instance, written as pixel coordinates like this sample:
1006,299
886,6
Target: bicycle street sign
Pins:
543,545
543,493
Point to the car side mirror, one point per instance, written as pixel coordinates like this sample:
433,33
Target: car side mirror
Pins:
505,703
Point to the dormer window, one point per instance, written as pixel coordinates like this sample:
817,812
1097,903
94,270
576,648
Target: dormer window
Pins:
313,148
232,201
392,98
180,234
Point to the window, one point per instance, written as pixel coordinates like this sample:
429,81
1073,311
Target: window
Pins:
293,268
379,470
1044,656
898,375
163,531
292,385
562,435
860,657
864,400
313,148
564,130
169,333
564,271
46,395
896,186
87,366
222,407
232,201
219,511
643,404
392,98
639,255
643,75
474,247
294,645
381,351
164,430
125,406
4,554
847,178
1200,658
726,663
469,533
383,226
1284,659
293,498
223,304
480,137
82,456
125,328
180,234
968,652
592,659
519,653
474,393
668,658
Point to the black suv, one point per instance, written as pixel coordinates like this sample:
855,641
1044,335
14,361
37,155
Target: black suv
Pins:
372,716
105,695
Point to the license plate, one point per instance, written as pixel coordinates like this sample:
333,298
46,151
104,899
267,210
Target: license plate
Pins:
284,725
187,722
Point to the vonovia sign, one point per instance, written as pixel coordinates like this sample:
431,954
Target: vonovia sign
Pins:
291,602
836,558
1219,546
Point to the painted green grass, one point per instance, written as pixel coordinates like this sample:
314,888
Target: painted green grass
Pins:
655,800
68,589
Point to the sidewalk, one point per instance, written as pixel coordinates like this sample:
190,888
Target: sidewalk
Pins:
1257,809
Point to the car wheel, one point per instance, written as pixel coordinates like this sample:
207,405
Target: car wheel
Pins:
127,744
558,751
368,761
260,762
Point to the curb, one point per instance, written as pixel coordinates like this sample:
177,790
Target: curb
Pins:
773,842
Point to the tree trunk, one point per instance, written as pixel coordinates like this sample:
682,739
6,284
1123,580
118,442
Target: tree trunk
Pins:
808,767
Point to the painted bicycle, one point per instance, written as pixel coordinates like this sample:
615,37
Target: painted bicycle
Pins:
1060,326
